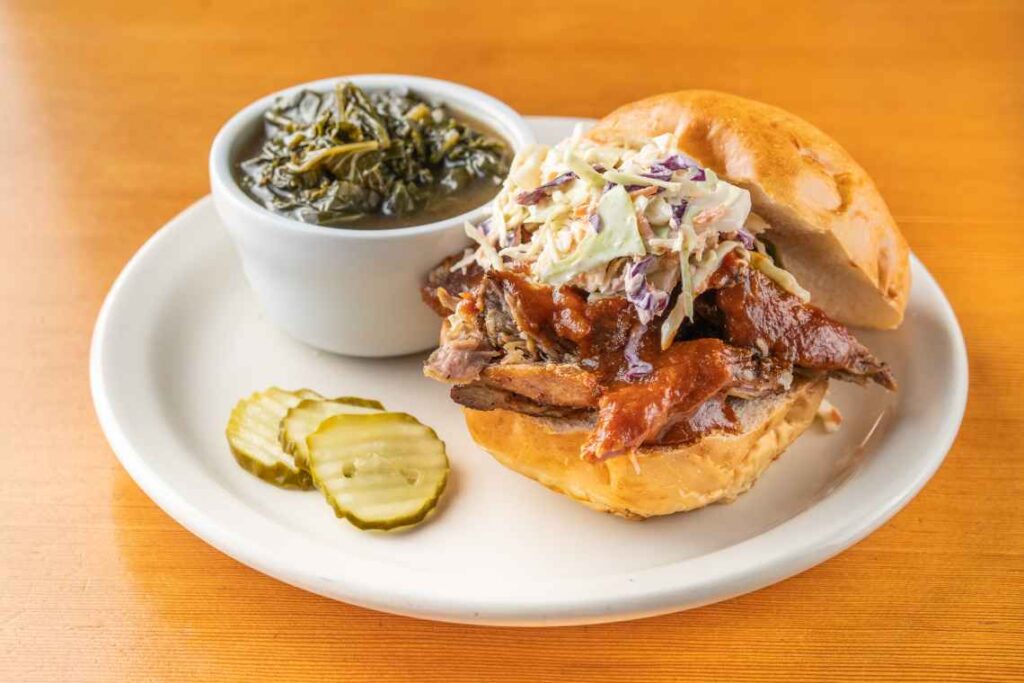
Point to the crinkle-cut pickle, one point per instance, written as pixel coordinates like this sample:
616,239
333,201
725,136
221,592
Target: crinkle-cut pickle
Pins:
253,430
378,470
304,418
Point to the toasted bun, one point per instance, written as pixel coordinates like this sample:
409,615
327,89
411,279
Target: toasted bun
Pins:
717,468
831,226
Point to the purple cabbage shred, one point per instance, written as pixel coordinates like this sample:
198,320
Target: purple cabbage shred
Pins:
663,169
745,238
678,211
637,269
535,196
658,172
648,301
636,367
679,161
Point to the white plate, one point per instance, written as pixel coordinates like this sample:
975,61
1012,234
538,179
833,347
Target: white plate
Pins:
180,339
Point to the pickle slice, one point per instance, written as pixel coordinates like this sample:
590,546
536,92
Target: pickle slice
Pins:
378,470
303,419
252,433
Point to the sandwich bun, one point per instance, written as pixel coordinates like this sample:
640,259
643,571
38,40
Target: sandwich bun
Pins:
830,225
666,479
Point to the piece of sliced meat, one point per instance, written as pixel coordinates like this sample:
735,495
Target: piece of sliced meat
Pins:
465,350
458,361
481,396
684,377
564,384
750,310
454,282
754,375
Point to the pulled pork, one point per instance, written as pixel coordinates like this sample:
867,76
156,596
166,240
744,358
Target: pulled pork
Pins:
453,282
512,344
481,396
748,309
465,350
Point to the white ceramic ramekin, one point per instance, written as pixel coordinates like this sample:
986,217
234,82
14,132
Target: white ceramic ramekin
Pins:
354,292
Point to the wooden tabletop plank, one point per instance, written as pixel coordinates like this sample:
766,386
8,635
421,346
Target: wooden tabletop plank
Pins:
108,111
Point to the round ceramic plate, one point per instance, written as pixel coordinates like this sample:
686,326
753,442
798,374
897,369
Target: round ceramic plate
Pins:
180,339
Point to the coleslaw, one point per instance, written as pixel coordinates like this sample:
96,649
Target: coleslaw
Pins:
642,223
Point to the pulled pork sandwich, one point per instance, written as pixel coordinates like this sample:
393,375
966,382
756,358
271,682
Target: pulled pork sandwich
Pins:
653,311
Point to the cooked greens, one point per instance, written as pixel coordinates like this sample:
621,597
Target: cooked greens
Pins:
350,157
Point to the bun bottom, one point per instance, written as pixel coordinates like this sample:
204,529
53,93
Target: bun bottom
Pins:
715,469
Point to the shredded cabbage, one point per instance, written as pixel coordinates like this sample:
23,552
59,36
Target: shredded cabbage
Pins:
526,166
487,249
745,238
831,418
619,236
648,300
566,214
725,207
531,197
636,367
684,302
781,277
710,262
583,170
623,178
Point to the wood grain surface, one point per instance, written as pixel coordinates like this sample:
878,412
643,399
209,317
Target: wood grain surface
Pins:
108,110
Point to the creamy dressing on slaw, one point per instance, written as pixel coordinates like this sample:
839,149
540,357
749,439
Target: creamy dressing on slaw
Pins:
635,222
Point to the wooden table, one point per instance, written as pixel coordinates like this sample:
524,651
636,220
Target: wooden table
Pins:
108,111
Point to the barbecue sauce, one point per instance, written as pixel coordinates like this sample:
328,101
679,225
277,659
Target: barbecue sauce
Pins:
598,329
683,378
754,312
669,399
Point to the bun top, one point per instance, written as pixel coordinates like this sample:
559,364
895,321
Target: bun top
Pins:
830,225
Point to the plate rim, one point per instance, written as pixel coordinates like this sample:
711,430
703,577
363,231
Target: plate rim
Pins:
635,600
